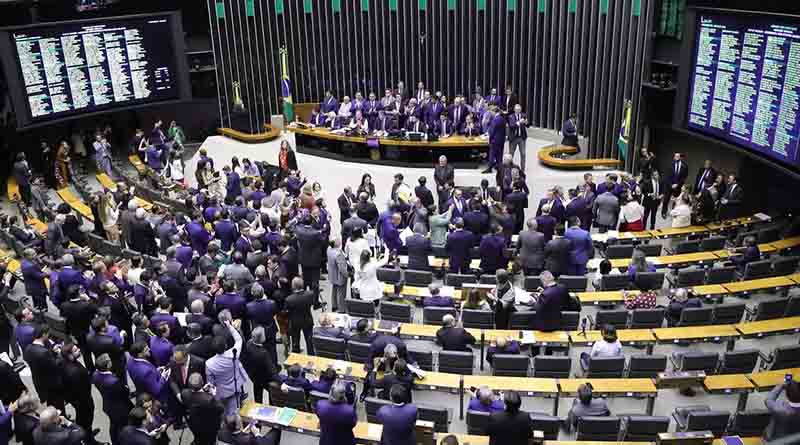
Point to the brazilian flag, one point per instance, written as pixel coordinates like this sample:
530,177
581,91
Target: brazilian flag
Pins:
625,130
286,87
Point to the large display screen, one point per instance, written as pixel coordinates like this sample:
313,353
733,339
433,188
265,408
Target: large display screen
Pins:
72,68
745,82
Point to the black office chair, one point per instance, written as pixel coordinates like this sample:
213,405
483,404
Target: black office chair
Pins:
767,235
647,318
617,318
695,361
328,347
619,251
439,416
768,310
477,423
314,397
603,367
686,247
389,275
488,279
294,397
357,352
696,316
547,424
457,280
57,325
360,308
532,283
456,362
372,405
654,280
573,283
751,423
783,357
478,319
552,367
793,306
420,278
641,366
757,269
570,321
721,275
644,428
424,359
688,277
597,428
522,320
614,282
652,249
396,312
784,265
433,315
728,313
741,361
276,395
511,365
712,243
701,418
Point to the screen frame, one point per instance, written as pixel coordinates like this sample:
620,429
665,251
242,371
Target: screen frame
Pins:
16,84
680,120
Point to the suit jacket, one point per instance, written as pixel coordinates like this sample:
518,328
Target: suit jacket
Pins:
418,249
311,246
12,387
367,212
507,103
398,424
444,175
497,131
45,371
424,194
444,128
556,254
336,423
734,194
459,243
344,205
33,277
678,171
289,261
146,377
606,210
704,178
204,412
201,347
581,248
546,224
70,276
454,339
177,380
262,313
476,222
328,105
549,306
492,254
227,232
299,305
509,429
116,397
258,363
77,382
531,249
232,301
143,237
457,213
556,208
199,237
53,240
516,129
58,435
24,424
130,435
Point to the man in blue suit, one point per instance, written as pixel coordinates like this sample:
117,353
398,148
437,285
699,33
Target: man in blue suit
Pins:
497,138
225,231
69,276
33,276
476,220
582,248
491,250
418,246
610,185
546,223
432,110
391,233
398,419
459,243
144,375
579,207
330,104
443,127
458,204
337,418
556,206
234,185
261,312
199,236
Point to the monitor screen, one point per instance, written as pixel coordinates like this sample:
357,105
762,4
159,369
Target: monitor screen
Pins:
744,86
69,69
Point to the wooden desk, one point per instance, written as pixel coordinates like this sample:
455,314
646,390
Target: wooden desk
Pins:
526,386
603,238
76,204
418,291
759,284
603,297
625,336
137,163
685,258
679,231
730,384
546,157
268,134
416,331
786,243
758,329
730,224
434,262
794,277
708,290
12,188
610,387
555,338
696,333
766,380
456,141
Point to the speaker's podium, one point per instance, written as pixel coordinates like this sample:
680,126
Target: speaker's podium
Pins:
685,438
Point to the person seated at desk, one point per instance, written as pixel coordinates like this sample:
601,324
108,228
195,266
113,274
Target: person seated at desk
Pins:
382,124
399,375
235,433
415,125
608,346
384,351
751,253
645,299
345,109
453,338
484,401
363,333
359,123
553,299
327,329
503,345
586,405
510,426
475,301
679,301
334,122
639,263
471,128
443,127
784,413
325,380
436,300
317,119
295,377
604,268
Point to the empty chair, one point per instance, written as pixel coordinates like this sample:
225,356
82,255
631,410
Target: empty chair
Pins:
314,397
695,361
749,423
603,367
614,282
649,250
784,265
389,275
616,318
738,362
552,367
783,357
757,269
654,280
292,398
433,315
618,251
690,276
372,405
360,308
719,275
642,366
793,306
357,351
335,348
477,423
456,362
701,418
647,318
424,359
570,320
768,309
696,316
549,425
511,365
728,313
396,312
598,428
276,396
478,319
644,428
686,247
418,278
573,283
767,235
457,280
532,283
439,417
57,325
522,320
487,279
712,243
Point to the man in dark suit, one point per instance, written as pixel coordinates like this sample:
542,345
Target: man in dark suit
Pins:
259,363
288,259
383,124
423,192
458,111
204,412
504,177
12,387
398,419
675,180
580,208
453,338
135,433
705,177
531,244
55,430
261,312
459,243
581,247
569,132
311,245
432,110
444,176
33,277
199,344
45,370
476,220
183,365
652,194
419,246
517,133
346,203
443,128
556,255
497,137
101,342
508,102
731,202
226,231
54,237
337,418
511,426
492,251
545,222
458,203
329,104
550,304
116,396
77,387
298,306
415,125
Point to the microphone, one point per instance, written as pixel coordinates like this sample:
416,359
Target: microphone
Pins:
583,328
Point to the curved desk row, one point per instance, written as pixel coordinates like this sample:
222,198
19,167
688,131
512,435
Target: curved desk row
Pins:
547,156
269,134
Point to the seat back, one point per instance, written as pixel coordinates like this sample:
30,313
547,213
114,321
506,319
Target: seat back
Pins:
617,318
314,397
389,275
699,361
549,425
655,280
739,362
712,243
767,235
719,275
552,367
644,428
396,312
478,319
647,318
296,398
785,357
614,282
598,428
439,417
728,313
714,421
457,279
424,359
357,351
523,320
770,309
276,396
335,348
456,362
372,405
793,306
784,265
433,315
570,320
487,279
619,251
606,367
757,269
751,423
532,283
360,308
477,423
418,277
696,316
646,366
686,247
652,249
573,283
511,365
690,276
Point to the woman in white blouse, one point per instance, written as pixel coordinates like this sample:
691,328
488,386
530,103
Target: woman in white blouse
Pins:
366,278
631,216
608,346
681,214
109,211
354,247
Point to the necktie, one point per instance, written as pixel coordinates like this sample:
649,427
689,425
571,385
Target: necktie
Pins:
655,188
456,114
677,166
183,374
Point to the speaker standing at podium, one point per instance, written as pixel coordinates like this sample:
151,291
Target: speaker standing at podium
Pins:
569,131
